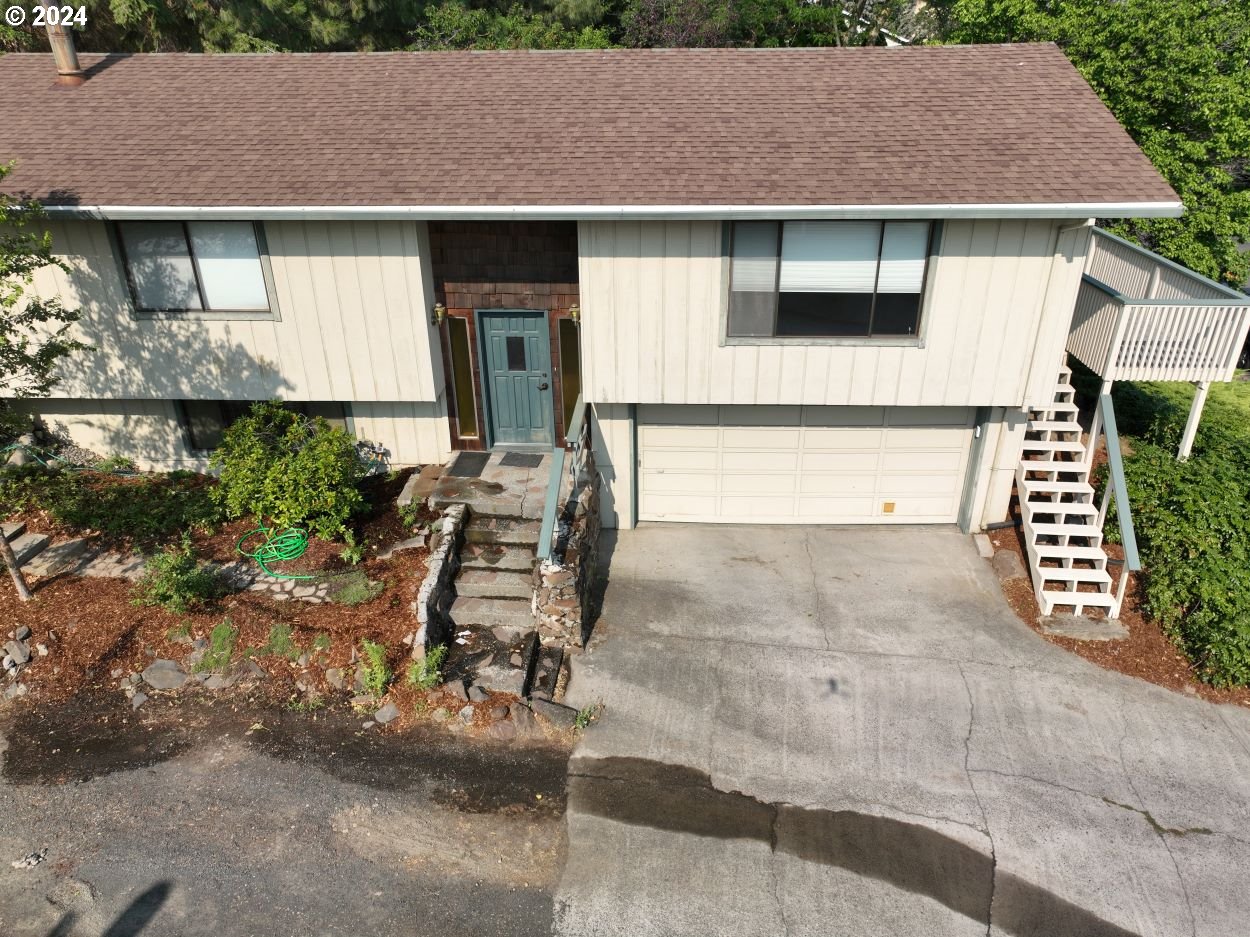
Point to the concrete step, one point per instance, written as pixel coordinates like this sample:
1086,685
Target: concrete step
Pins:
13,531
492,613
58,558
28,546
494,584
496,556
507,531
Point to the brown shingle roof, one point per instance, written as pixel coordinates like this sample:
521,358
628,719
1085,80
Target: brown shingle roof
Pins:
903,126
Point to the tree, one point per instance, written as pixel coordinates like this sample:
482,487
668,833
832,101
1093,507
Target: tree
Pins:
34,332
1176,73
452,25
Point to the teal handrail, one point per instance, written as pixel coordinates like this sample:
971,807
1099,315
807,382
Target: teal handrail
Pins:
1115,464
546,533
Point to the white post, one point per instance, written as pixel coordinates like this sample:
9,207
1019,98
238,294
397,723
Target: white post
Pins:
1195,416
1095,425
1119,593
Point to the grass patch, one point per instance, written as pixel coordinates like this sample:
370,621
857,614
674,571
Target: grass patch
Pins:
356,589
321,642
280,643
220,647
377,673
179,632
427,673
309,705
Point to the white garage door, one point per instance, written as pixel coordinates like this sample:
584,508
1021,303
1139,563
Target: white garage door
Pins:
802,465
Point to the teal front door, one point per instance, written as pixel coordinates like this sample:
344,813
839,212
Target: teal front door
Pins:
516,377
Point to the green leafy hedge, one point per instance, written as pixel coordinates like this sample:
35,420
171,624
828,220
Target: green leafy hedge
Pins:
1193,526
289,469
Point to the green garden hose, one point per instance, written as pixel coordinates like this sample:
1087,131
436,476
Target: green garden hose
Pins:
288,544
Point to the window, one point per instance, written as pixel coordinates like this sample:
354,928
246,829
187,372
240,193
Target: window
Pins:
827,279
176,266
205,420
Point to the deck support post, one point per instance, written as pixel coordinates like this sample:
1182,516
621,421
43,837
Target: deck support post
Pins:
1095,426
1195,416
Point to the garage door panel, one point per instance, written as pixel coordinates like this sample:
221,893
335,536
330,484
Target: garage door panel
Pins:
679,437
759,461
837,484
760,438
843,439
676,414
759,484
928,461
827,465
696,459
840,461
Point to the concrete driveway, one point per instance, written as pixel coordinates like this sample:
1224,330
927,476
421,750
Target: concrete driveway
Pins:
847,732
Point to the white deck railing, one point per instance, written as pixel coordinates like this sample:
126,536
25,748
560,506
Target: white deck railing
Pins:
1140,317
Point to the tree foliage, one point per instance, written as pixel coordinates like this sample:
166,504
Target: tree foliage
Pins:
1176,73
34,331
452,25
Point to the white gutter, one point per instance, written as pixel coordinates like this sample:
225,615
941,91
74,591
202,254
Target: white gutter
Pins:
620,212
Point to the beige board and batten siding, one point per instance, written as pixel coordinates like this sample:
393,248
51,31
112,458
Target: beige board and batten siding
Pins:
353,321
994,323
806,465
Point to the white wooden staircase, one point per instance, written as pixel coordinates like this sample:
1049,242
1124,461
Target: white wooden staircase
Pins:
1062,533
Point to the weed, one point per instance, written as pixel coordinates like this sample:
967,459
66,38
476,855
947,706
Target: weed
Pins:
409,514
427,673
378,673
179,632
309,705
354,552
220,646
357,589
586,715
116,464
280,643
321,642
176,581
420,707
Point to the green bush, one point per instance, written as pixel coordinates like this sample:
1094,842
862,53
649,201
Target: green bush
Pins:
427,673
146,509
1192,521
176,581
292,470
377,675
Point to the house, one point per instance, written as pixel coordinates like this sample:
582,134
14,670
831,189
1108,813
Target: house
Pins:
817,286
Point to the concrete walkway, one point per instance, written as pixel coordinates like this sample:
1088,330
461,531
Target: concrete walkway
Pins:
846,731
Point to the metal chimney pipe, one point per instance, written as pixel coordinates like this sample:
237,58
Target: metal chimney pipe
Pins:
68,71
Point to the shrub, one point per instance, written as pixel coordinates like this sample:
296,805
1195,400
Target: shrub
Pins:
1192,521
295,471
354,552
377,676
176,581
427,673
220,646
356,589
146,509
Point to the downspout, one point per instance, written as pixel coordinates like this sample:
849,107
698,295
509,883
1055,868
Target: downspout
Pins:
68,71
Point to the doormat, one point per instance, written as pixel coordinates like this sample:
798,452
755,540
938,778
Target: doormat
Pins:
522,459
469,464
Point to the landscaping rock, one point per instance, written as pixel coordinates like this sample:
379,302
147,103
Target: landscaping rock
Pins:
440,714
363,699
984,547
18,650
304,659
334,677
466,715
515,660
116,673
501,731
220,682
255,671
164,675
370,724
1084,629
559,715
15,690
387,713
22,633
9,663
477,694
522,717
138,700
498,713
456,689
501,679
42,650
1006,565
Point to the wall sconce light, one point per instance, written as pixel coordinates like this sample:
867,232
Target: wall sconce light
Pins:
440,313
575,313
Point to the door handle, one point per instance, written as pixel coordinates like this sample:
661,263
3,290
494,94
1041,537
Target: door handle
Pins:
543,386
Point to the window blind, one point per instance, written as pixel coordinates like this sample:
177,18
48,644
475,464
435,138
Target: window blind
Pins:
829,256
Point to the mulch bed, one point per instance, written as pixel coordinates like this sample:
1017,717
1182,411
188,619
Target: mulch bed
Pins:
92,626
1146,653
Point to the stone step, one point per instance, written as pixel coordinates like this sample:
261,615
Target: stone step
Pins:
14,530
497,556
502,530
494,584
58,558
492,613
28,546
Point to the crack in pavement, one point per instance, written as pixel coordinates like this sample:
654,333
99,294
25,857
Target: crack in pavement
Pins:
972,719
811,561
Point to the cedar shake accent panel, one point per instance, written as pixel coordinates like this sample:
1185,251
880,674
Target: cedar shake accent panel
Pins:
504,265
998,124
